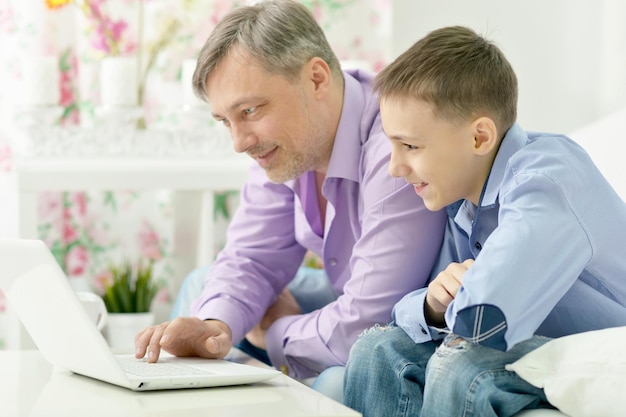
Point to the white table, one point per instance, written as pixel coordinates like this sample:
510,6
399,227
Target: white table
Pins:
192,180
30,387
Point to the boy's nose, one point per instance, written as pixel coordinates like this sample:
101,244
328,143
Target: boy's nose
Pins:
397,169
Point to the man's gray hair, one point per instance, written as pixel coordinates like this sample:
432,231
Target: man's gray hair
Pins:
281,35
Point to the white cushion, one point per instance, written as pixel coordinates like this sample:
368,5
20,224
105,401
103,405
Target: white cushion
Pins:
543,412
583,375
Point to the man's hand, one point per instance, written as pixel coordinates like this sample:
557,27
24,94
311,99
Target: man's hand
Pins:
442,290
184,336
285,305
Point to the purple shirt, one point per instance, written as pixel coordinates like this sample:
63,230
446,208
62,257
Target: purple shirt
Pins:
379,243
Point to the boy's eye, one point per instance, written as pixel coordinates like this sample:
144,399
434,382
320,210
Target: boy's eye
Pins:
409,147
249,110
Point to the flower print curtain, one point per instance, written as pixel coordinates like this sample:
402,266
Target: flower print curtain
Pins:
88,230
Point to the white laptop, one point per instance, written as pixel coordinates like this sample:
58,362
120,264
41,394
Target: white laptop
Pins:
50,310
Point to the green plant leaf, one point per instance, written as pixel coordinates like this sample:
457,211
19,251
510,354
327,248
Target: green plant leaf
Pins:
110,301
132,289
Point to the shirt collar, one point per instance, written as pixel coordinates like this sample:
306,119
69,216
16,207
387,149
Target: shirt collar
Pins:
513,141
346,154
344,160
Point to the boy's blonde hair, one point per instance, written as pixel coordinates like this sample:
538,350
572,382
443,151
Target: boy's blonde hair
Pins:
457,71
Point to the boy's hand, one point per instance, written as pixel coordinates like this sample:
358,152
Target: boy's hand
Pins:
285,305
442,290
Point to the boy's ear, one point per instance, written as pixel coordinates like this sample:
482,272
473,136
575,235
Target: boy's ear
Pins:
485,135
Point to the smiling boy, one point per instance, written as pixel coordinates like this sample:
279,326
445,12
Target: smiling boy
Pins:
534,246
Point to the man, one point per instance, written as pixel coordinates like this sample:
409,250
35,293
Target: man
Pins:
320,184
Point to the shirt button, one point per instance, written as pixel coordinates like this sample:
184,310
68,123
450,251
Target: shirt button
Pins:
332,261
478,246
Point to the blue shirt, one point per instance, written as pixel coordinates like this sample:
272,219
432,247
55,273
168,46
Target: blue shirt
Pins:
549,242
379,243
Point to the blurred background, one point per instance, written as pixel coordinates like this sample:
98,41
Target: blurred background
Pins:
569,55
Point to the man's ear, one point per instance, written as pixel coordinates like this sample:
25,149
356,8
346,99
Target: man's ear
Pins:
318,72
485,135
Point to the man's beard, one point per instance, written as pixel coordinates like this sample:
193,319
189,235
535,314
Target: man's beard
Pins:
290,168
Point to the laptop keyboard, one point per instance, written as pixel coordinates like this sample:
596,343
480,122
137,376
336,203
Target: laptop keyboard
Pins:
141,367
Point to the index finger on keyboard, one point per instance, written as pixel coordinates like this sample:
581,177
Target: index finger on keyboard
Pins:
147,341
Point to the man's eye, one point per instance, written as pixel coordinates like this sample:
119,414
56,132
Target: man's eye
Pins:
409,147
249,110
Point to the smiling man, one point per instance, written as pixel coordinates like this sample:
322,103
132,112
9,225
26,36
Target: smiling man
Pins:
320,184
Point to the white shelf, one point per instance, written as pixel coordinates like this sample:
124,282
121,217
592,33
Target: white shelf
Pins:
193,182
71,174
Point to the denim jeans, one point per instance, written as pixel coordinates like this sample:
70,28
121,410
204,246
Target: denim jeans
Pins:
389,375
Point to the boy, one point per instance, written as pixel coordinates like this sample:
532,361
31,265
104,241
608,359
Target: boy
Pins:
534,246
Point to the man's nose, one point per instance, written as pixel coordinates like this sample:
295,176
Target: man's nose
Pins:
243,139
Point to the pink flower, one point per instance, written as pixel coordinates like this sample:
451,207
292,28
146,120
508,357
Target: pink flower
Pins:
102,281
220,8
6,158
129,48
50,206
317,12
162,296
76,261
7,19
149,242
108,33
69,75
99,41
117,28
80,203
96,3
70,234
3,303
379,65
96,230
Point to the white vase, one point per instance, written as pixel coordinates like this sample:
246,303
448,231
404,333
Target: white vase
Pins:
121,329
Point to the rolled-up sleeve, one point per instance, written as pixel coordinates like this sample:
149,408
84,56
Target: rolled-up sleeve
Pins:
515,282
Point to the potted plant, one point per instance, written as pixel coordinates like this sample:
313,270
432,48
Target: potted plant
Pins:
130,289
128,295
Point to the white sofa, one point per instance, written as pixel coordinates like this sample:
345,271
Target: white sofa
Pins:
605,141
585,375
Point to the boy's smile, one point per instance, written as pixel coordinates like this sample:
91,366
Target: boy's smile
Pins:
419,187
